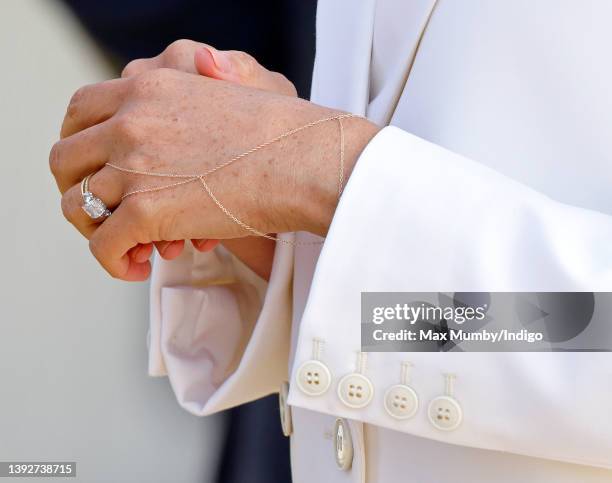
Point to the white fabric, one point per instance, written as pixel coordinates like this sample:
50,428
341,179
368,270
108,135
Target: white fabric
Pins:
204,335
496,177
508,398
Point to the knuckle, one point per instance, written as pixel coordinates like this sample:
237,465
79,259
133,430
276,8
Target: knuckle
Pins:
178,48
75,101
247,64
55,164
68,208
132,68
285,85
95,247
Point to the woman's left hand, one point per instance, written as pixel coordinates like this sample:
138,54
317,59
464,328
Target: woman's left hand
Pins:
164,120
232,66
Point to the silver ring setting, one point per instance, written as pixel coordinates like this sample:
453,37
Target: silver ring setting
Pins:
92,205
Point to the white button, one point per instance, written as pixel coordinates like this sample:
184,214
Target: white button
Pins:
313,378
343,445
285,409
401,401
355,390
445,413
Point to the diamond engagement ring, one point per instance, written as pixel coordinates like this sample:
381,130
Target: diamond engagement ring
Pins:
92,205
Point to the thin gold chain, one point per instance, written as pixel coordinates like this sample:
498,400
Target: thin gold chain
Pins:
248,228
190,178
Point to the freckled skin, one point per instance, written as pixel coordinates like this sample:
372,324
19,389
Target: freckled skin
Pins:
170,121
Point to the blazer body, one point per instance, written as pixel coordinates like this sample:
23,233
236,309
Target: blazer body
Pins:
493,175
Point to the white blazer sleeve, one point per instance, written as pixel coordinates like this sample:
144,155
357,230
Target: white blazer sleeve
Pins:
218,331
416,217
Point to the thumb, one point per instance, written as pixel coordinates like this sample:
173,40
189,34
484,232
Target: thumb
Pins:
240,68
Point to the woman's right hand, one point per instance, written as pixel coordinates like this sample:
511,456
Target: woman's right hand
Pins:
228,65
231,66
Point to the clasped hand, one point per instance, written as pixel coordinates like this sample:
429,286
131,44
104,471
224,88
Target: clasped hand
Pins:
173,120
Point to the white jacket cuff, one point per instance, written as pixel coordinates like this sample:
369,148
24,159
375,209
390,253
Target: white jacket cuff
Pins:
416,217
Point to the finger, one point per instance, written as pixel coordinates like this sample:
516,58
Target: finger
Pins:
169,250
141,252
113,239
107,185
138,66
178,55
204,245
241,68
83,153
93,104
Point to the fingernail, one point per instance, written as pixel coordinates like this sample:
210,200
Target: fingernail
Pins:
164,246
200,243
221,59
